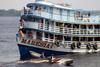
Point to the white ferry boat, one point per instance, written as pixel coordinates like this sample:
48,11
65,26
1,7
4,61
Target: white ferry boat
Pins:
58,29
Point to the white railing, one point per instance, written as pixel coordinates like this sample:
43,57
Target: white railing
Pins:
68,43
73,18
58,29
87,19
51,40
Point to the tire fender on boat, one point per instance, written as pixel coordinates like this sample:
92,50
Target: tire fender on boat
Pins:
95,46
73,46
57,43
88,46
78,45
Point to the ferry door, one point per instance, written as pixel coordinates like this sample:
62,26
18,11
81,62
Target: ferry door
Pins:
41,23
68,15
51,11
46,36
37,35
60,14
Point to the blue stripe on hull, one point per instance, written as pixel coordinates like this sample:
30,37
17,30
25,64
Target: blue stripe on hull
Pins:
24,51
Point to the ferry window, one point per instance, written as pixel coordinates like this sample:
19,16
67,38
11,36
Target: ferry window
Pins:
36,7
51,36
59,37
29,18
44,8
83,26
69,25
90,26
37,20
47,9
33,19
99,20
75,38
75,26
46,21
52,23
96,26
84,39
90,39
97,38
57,24
51,9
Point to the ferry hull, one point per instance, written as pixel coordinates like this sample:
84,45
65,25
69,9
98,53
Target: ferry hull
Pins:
24,51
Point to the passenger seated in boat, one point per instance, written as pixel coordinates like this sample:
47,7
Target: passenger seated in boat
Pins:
42,55
53,59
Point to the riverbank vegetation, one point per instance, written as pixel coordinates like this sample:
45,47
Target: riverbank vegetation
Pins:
10,12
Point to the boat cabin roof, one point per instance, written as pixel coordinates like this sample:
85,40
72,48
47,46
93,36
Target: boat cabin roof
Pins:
54,5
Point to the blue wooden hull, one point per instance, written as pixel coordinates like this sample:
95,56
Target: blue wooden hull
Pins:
24,51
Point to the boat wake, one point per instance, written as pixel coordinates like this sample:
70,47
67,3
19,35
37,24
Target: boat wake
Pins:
60,62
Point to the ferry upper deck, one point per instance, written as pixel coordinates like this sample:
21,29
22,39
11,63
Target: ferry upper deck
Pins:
60,12
63,19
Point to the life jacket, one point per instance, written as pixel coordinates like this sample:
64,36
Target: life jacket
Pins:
20,32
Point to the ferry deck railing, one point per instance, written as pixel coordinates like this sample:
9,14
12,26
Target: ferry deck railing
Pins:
68,43
58,29
66,18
